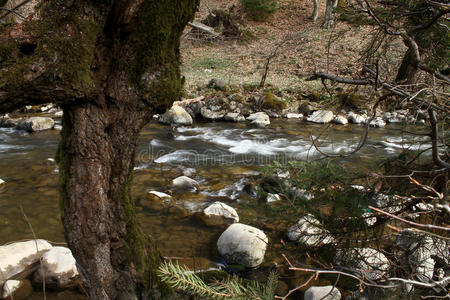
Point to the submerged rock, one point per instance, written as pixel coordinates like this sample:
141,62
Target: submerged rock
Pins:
327,292
243,244
58,268
220,213
184,183
373,263
321,116
16,289
308,231
176,116
159,195
35,124
18,258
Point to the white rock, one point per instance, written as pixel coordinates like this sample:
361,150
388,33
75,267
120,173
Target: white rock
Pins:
321,116
58,114
34,124
356,118
58,266
159,194
422,251
308,231
221,210
373,263
22,12
212,115
369,218
18,257
260,119
272,198
322,293
243,244
234,117
2,181
16,289
176,115
258,115
293,116
340,119
377,122
297,193
46,107
184,183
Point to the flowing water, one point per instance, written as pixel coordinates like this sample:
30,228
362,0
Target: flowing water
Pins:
223,155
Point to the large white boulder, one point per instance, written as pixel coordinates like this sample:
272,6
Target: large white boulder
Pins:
220,213
176,115
1,181
243,244
19,257
16,289
327,292
321,116
34,124
309,231
184,183
373,263
58,267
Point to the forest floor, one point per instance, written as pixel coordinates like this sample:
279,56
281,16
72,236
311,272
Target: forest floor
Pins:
299,46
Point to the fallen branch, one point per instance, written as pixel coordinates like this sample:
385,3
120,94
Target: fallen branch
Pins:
429,226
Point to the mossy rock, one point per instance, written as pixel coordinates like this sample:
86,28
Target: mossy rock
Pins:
272,102
352,100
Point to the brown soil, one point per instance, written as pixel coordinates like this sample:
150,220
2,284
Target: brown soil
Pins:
306,48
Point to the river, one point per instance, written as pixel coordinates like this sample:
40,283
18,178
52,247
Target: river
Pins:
222,154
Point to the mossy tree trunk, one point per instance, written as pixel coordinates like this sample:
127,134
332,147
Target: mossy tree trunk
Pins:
110,65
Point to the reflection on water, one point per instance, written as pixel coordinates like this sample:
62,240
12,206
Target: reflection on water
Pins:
223,155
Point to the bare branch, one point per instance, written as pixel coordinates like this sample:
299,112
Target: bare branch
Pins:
429,226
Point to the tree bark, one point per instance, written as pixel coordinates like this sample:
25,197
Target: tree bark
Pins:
315,13
110,65
329,18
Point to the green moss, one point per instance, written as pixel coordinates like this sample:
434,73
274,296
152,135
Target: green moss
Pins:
154,66
352,100
272,102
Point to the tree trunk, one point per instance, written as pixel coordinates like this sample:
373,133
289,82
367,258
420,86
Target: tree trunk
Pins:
329,18
407,72
110,65
315,13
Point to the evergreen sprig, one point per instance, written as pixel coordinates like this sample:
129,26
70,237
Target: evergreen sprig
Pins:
180,277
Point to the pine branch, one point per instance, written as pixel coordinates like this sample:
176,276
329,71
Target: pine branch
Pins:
233,288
